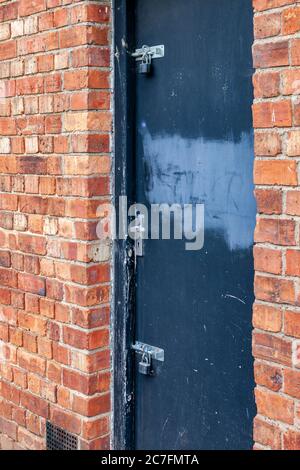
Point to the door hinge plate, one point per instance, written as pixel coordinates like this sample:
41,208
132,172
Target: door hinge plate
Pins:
157,354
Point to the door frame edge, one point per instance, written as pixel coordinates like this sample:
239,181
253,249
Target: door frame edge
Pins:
123,295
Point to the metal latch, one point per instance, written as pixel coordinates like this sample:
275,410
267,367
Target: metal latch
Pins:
154,352
156,52
138,232
145,55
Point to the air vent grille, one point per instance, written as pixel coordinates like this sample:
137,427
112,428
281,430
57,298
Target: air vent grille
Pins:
59,439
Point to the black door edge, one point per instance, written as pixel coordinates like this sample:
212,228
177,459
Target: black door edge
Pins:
123,296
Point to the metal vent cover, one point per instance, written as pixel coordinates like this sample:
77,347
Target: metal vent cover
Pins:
59,439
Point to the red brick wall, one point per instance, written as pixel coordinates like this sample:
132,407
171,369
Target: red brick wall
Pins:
276,112
55,124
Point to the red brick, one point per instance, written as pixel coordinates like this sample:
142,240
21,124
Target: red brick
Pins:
268,376
91,406
53,83
267,434
268,260
267,318
91,318
61,354
269,201
15,336
5,409
261,5
8,428
54,289
30,85
18,415
272,289
293,203
83,340
295,51
85,13
31,283
8,50
46,21
10,392
9,11
267,25
5,259
65,420
29,342
272,348
266,85
87,297
290,82
29,441
95,428
20,378
267,144
60,18
79,382
292,383
28,7
54,372
93,57
293,143
91,143
64,398
291,20
271,54
92,362
272,114
53,124
276,231
103,443
31,362
291,440
274,406
8,277
293,263
5,296
32,303
32,244
292,323
45,63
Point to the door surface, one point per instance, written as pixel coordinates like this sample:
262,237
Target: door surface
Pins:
194,144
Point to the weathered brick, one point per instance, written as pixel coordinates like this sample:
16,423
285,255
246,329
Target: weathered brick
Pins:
267,434
291,20
291,440
267,260
267,25
65,420
272,54
31,362
292,323
272,114
268,376
276,231
274,406
267,318
272,348
273,289
269,201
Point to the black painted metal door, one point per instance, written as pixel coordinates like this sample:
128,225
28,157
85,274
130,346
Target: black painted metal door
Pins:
194,144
